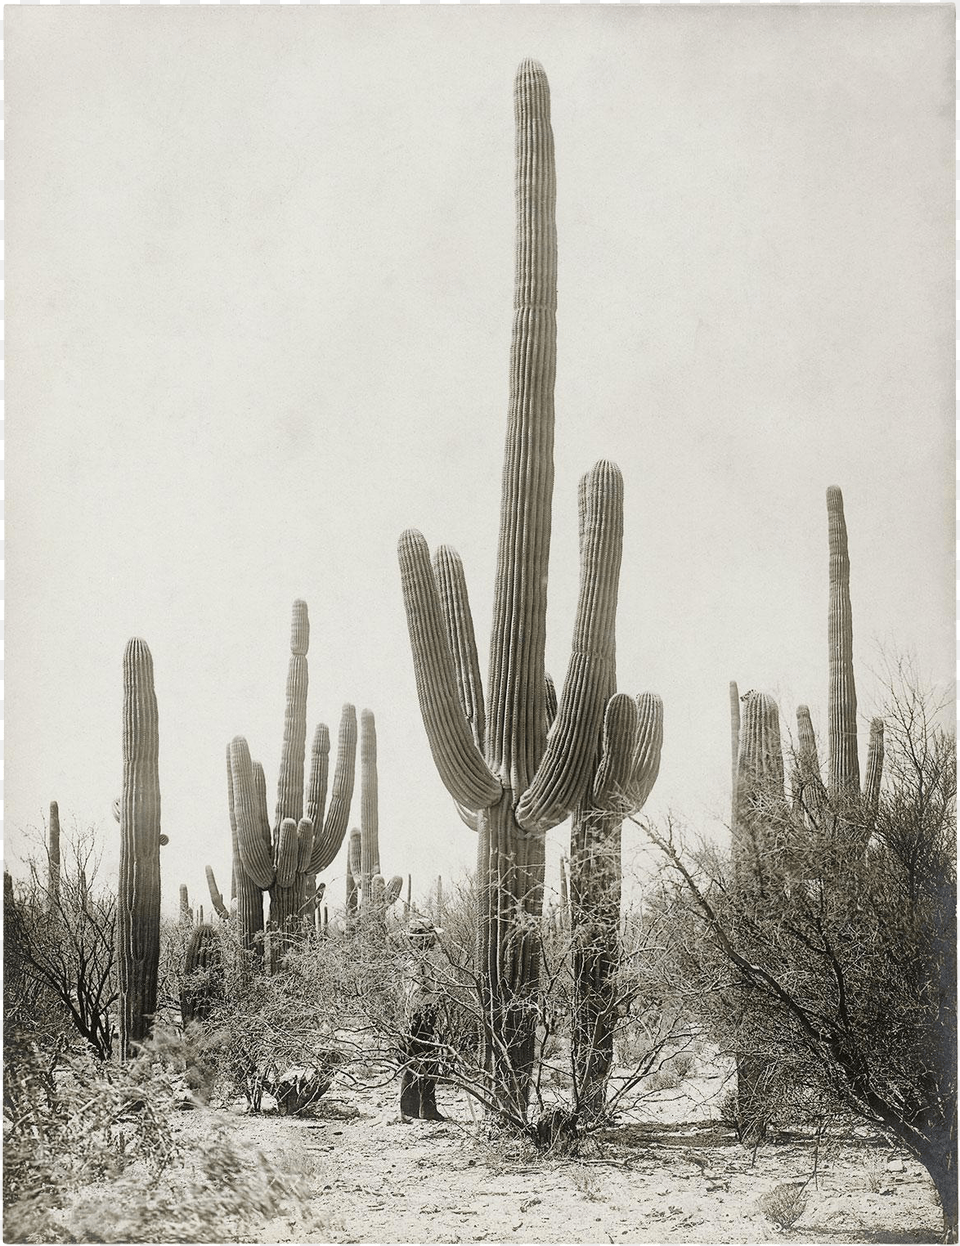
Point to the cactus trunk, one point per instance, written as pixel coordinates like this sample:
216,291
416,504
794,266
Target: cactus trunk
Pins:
138,913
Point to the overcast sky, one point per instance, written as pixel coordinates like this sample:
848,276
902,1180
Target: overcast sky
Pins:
260,269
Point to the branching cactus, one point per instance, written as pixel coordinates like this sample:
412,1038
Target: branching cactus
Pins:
138,913
498,764
53,858
307,833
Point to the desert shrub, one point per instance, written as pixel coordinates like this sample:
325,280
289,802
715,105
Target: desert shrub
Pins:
785,1203
59,949
69,1119
844,989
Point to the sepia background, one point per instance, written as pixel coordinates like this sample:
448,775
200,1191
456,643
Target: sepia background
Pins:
259,305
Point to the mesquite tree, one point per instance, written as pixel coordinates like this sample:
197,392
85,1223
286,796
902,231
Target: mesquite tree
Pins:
506,774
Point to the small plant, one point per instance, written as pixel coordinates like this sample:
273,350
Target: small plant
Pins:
587,1183
663,1079
785,1203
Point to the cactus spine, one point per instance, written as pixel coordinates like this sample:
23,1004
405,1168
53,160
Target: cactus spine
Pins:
138,949
501,766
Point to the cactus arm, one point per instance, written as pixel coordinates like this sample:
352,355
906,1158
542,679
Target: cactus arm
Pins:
326,842
871,783
369,802
467,817
216,898
316,796
516,718
392,890
299,629
263,817
646,754
255,857
455,605
570,759
550,700
138,908
290,782
613,777
304,845
460,763
287,852
844,765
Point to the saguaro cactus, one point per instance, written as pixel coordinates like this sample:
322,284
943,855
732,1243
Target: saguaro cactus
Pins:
53,858
500,765
376,893
844,765
138,948
839,802
628,762
202,974
761,815
307,833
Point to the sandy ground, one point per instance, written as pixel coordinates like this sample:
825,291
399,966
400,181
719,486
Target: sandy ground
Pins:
674,1176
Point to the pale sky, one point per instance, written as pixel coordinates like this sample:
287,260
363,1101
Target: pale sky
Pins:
259,276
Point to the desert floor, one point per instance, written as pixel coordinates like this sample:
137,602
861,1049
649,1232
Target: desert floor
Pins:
674,1176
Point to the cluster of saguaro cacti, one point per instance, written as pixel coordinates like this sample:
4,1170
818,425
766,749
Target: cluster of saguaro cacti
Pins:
138,915
839,802
506,775
306,833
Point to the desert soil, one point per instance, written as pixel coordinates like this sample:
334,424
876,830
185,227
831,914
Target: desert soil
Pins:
675,1175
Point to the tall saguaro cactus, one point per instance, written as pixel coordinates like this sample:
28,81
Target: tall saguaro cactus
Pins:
840,802
844,766
500,767
138,948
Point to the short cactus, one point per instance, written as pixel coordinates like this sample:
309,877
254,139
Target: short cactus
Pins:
138,913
